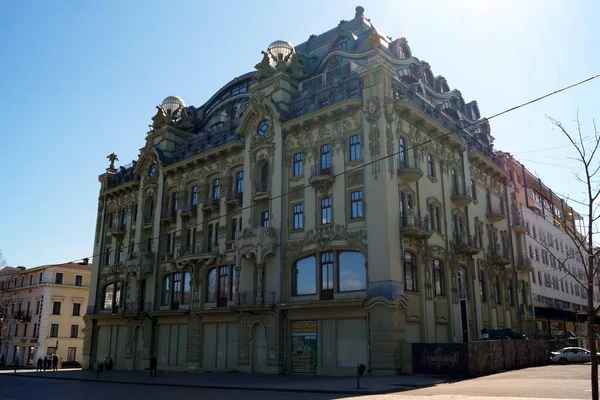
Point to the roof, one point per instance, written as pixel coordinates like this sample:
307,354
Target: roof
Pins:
73,266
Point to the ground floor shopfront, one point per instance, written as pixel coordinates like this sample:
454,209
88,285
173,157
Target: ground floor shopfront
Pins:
325,338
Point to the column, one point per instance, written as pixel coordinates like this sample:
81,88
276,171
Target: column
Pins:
259,282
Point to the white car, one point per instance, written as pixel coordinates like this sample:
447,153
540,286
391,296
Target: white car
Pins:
571,355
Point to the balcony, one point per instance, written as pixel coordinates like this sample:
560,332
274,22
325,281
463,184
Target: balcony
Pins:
189,210
196,251
234,198
495,214
466,244
210,204
408,168
518,225
321,174
412,225
22,316
147,221
499,255
248,298
261,191
117,231
462,195
169,215
524,263
258,238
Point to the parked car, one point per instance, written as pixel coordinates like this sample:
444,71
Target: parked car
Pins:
571,355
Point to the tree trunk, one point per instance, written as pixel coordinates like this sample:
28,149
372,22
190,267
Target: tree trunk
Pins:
591,314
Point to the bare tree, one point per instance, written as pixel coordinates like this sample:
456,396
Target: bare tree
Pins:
585,249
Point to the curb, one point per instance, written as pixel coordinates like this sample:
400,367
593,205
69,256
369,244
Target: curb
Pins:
244,388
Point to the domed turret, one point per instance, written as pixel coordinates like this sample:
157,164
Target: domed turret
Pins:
280,49
172,103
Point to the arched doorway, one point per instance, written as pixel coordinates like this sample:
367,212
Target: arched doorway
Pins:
259,348
138,348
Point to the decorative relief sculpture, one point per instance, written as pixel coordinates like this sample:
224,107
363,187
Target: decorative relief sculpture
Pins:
372,113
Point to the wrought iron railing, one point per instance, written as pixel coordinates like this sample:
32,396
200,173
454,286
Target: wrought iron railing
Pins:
234,195
466,240
460,190
415,221
261,187
318,170
405,160
328,94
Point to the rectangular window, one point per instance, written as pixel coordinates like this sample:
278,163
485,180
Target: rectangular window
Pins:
239,182
54,330
121,257
326,210
174,202
325,158
107,257
25,330
195,195
233,228
37,307
35,330
74,331
298,165
58,278
355,148
264,219
56,308
356,204
76,309
298,214
40,278
474,189
402,153
216,189
430,166
30,279
135,210
22,280
124,219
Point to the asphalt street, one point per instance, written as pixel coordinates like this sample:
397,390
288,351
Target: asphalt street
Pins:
550,382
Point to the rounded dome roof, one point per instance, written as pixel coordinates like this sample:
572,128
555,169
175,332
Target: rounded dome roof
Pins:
173,103
280,47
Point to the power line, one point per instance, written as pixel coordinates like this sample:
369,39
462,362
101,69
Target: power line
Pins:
376,160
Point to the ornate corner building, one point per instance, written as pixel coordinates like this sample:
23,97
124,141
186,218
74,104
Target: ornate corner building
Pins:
328,209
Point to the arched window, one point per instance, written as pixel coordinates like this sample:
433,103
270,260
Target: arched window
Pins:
352,271
482,289
219,285
438,277
112,296
410,272
305,276
187,288
264,175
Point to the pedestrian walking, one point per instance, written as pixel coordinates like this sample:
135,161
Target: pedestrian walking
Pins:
55,363
46,364
153,366
17,362
40,363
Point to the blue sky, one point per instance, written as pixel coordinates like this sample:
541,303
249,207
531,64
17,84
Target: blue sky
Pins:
79,80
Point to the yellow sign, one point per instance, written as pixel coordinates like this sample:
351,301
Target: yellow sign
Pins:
304,326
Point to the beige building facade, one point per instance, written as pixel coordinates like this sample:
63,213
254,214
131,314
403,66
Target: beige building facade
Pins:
45,313
329,209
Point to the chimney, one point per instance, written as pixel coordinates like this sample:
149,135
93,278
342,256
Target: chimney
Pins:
85,261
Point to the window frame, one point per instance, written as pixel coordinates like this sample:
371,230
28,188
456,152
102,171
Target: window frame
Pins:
326,210
409,262
439,283
297,216
298,165
355,153
55,308
356,204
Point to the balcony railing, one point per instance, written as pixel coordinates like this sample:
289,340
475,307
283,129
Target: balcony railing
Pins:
321,171
495,214
325,95
196,250
234,197
22,316
465,243
169,214
260,188
524,262
408,167
147,219
189,209
414,225
462,195
210,203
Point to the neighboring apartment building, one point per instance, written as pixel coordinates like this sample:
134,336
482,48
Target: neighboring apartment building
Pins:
248,236
560,302
45,315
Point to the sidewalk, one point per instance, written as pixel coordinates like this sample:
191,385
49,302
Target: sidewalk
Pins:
245,381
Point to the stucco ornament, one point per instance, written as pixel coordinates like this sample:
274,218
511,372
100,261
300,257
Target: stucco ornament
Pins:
372,113
263,68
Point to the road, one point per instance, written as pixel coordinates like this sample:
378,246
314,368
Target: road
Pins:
550,382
